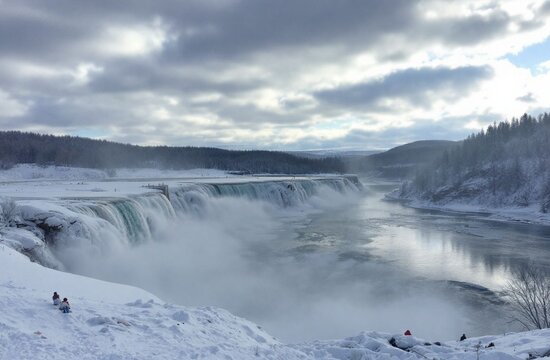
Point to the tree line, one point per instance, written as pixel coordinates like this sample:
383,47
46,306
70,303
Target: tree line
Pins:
22,147
508,163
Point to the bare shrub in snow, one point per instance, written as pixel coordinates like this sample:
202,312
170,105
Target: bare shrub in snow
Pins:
522,199
111,172
7,211
529,295
6,164
545,198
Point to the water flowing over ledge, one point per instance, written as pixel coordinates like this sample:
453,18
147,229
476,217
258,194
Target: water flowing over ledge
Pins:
102,222
284,193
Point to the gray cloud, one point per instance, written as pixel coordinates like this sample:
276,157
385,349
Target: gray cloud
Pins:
448,128
218,30
418,86
147,75
265,47
253,26
472,30
528,98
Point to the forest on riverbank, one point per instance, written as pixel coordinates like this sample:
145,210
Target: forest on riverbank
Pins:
508,164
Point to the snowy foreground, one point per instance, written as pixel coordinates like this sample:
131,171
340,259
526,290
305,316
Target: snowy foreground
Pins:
113,321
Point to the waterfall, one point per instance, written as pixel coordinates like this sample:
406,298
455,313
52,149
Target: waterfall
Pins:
191,197
101,223
134,217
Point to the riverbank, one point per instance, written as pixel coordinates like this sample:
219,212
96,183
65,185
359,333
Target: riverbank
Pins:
527,215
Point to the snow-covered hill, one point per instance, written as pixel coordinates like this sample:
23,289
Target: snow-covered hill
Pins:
504,171
118,322
113,321
476,194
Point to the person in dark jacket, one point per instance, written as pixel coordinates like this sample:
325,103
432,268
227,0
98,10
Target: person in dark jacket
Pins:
65,307
55,298
463,337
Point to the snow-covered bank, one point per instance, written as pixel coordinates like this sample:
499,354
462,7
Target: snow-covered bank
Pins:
527,214
21,172
29,181
374,345
504,170
113,321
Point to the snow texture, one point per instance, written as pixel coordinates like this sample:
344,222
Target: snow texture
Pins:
114,321
35,172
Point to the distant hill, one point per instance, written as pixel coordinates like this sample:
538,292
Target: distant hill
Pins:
319,154
25,148
402,161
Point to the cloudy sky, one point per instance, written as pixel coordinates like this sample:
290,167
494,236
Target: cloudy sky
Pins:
296,74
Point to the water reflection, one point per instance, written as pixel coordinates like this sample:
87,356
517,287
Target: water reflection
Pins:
386,252
450,246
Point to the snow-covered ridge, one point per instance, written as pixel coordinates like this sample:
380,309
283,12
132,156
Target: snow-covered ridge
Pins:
529,213
113,321
503,171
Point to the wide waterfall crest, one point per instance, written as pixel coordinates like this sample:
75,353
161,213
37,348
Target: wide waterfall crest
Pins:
134,217
192,197
99,224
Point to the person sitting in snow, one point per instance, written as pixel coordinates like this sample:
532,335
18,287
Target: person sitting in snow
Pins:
55,298
463,337
65,307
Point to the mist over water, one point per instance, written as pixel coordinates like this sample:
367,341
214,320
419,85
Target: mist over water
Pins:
328,269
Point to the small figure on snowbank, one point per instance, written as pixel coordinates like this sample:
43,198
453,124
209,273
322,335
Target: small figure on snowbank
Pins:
65,307
55,298
408,333
463,337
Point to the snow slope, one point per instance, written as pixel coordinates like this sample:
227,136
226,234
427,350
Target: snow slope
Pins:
112,321
119,322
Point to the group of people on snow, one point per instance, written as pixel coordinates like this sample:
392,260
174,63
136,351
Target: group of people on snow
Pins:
63,305
462,338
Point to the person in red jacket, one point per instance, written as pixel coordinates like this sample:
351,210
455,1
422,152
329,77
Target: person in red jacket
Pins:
408,333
